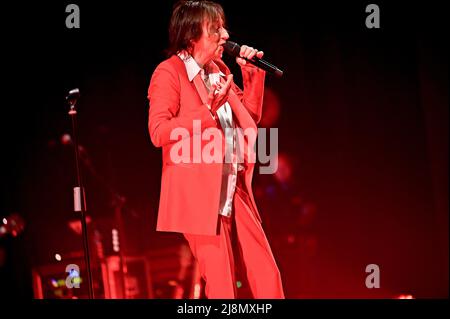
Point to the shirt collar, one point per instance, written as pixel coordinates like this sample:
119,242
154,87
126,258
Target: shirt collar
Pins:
193,68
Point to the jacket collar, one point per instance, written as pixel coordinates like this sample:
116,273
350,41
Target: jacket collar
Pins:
192,68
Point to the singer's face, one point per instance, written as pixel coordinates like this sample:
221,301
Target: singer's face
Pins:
209,46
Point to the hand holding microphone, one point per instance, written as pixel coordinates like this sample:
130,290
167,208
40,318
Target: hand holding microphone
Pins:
246,55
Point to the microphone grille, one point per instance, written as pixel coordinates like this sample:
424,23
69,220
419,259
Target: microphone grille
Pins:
232,48
73,94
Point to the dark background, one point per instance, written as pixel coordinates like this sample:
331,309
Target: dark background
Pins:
363,130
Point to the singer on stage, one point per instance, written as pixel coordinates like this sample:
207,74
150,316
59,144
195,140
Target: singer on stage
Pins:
210,203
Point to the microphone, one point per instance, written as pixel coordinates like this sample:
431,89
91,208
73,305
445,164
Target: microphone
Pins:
73,96
234,49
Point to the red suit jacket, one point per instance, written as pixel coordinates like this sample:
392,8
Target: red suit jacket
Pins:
190,192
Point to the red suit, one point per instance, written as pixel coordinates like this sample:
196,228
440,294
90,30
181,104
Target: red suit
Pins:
190,192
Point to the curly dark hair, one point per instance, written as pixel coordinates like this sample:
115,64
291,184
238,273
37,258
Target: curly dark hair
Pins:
187,20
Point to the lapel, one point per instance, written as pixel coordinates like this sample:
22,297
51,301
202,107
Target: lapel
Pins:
245,143
201,88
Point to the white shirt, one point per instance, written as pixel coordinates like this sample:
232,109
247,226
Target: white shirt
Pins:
225,115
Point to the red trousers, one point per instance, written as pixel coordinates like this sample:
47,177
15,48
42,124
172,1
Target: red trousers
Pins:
241,240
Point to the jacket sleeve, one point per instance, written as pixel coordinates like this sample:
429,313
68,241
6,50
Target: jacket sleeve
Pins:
253,94
164,106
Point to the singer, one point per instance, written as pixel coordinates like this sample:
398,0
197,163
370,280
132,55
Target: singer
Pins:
211,204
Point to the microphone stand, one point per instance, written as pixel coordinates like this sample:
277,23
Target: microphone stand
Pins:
78,191
119,203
